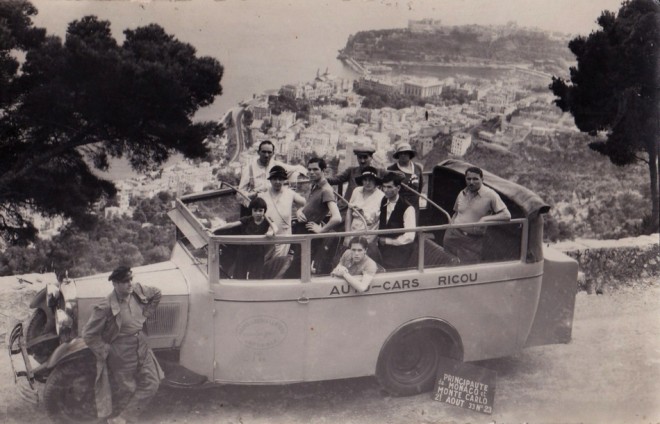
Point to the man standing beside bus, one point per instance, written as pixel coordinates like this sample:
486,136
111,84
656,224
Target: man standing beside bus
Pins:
476,203
114,333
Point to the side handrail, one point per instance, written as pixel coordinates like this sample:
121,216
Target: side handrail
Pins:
431,202
235,239
246,197
353,208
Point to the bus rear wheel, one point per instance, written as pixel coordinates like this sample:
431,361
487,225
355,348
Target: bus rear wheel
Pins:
408,363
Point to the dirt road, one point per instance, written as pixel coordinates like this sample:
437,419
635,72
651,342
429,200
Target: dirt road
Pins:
609,373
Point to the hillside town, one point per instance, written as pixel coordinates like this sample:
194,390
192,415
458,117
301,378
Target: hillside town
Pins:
332,129
446,118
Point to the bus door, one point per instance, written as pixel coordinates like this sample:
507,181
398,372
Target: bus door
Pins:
260,323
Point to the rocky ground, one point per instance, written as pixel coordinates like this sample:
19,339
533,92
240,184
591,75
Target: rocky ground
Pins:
609,373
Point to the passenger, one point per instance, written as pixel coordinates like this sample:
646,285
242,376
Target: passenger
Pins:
413,173
254,176
280,201
311,218
250,258
355,263
475,203
124,360
395,249
366,200
364,154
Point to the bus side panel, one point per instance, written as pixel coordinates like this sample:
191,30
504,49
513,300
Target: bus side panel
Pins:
553,322
347,332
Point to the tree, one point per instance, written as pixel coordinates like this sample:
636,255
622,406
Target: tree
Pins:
615,88
68,107
248,118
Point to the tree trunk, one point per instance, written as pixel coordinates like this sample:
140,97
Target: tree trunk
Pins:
653,173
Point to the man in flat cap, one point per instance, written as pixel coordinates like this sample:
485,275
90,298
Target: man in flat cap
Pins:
124,360
395,212
364,154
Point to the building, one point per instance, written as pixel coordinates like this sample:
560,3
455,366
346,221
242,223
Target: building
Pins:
460,143
424,25
260,111
379,85
293,91
425,145
284,120
422,88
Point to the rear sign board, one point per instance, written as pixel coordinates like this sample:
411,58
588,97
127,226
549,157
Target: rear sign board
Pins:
465,385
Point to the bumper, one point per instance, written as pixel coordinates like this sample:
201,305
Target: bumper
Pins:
17,346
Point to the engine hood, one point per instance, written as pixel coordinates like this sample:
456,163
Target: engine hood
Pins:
166,276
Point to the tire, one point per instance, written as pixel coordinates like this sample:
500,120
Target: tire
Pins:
69,392
36,328
408,363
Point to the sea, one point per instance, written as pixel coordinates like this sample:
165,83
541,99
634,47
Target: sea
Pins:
262,45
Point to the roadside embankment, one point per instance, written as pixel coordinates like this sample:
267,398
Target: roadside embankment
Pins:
607,264
16,293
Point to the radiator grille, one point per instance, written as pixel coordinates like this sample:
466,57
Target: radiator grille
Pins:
165,320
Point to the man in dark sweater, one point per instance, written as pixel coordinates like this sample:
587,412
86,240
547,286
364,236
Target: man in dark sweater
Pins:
397,248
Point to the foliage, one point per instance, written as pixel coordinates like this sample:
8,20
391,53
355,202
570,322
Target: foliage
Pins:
248,118
454,44
70,106
109,242
375,100
590,197
301,107
614,88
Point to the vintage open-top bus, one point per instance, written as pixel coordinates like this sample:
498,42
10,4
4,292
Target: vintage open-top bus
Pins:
304,325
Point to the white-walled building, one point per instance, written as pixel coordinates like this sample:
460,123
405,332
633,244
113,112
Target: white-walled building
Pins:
422,88
460,142
284,120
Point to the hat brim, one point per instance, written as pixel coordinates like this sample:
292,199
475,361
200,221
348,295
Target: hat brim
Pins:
279,176
412,153
359,178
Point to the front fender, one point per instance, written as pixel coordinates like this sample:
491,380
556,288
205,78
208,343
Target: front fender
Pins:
76,348
40,301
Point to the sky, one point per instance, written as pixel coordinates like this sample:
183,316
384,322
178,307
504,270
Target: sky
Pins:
569,16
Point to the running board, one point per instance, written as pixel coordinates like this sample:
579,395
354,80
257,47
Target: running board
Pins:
179,376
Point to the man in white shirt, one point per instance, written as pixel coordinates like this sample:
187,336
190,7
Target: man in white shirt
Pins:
254,176
395,249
